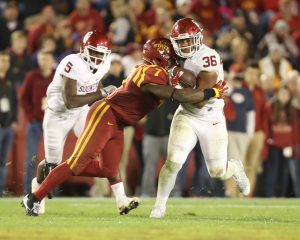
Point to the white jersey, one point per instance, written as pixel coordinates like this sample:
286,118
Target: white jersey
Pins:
73,66
208,60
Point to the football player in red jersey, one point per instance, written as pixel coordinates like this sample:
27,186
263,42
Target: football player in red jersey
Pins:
141,92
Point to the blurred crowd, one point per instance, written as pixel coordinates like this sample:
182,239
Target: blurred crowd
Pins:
258,40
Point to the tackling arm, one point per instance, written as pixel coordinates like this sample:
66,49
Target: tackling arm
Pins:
181,95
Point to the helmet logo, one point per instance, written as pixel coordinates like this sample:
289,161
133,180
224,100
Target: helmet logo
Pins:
161,47
87,36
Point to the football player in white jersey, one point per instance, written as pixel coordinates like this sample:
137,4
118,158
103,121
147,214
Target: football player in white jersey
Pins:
76,84
204,122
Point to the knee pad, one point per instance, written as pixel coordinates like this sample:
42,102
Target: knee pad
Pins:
172,166
217,171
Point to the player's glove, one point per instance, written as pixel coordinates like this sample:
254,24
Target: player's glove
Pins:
107,90
174,76
219,90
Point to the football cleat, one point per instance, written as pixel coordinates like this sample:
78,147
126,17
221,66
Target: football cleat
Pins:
31,205
35,186
241,178
131,203
158,212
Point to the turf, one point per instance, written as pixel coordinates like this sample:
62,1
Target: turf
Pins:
202,218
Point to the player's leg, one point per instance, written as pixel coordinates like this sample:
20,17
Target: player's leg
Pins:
213,138
56,127
182,140
100,188
88,147
111,157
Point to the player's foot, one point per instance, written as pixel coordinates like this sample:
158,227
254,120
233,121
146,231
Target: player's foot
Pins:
241,178
31,205
128,205
158,212
35,186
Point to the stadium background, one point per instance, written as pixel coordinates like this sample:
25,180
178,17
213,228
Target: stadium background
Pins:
239,30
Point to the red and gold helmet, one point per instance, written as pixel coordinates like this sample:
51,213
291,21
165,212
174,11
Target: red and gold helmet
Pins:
95,48
159,51
186,29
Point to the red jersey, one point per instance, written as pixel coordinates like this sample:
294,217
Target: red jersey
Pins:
129,102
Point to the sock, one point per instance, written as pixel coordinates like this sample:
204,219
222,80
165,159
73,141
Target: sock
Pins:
119,192
166,182
229,171
57,176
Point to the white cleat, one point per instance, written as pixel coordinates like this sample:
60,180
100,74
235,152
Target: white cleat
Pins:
35,186
129,204
158,212
241,178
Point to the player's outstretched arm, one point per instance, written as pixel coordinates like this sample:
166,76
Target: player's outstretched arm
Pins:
186,95
72,100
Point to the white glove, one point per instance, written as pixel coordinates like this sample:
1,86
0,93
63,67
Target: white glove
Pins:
107,90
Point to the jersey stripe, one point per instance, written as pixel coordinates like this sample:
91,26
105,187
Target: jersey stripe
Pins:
86,130
90,135
143,76
136,77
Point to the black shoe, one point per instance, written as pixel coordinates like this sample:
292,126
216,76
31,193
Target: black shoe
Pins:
132,204
31,205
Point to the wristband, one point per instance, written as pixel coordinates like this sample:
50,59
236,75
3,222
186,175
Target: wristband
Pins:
217,93
209,93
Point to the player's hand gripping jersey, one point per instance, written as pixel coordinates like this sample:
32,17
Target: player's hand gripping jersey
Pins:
129,102
74,67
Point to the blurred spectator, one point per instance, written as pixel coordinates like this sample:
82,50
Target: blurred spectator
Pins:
48,44
8,117
288,11
46,26
8,23
63,36
208,14
275,65
133,57
155,144
281,144
240,118
183,9
33,100
239,51
18,58
120,30
280,35
256,142
84,18
296,104
267,85
115,74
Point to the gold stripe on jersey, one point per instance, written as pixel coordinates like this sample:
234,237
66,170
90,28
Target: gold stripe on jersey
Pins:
91,132
86,130
136,77
143,76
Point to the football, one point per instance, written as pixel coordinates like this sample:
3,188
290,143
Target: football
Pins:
186,77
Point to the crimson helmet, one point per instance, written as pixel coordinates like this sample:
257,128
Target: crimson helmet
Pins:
159,51
94,43
186,28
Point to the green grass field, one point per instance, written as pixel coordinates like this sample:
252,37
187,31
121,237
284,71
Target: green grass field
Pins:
202,218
